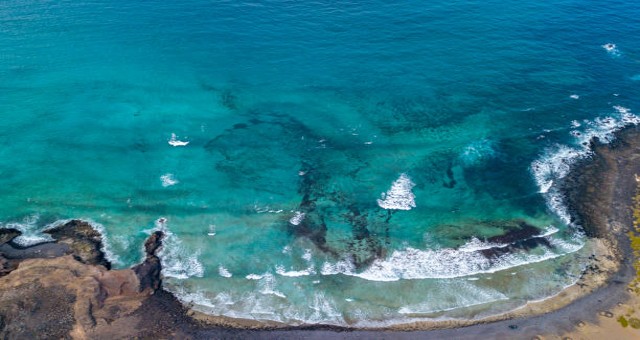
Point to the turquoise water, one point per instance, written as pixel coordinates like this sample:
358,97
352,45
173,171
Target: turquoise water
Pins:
318,162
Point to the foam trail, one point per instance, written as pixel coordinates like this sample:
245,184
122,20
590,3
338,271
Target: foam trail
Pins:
458,294
267,286
175,142
295,273
477,152
31,233
177,262
297,218
254,277
557,161
412,263
399,196
224,272
168,180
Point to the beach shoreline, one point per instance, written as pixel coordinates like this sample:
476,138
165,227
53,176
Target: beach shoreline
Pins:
599,192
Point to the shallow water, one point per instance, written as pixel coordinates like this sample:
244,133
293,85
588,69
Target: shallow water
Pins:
317,162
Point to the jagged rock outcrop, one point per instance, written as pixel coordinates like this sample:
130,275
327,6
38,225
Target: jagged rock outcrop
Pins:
148,272
85,242
6,264
6,235
76,295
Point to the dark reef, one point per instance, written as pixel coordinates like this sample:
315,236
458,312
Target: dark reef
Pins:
66,289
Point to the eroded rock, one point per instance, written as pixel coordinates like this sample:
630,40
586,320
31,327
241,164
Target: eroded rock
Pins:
84,241
76,295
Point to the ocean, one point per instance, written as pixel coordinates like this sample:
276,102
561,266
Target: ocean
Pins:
336,162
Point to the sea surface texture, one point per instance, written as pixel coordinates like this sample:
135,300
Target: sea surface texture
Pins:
338,162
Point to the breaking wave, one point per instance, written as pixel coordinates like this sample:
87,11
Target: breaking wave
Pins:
168,180
32,233
412,263
399,196
177,261
556,161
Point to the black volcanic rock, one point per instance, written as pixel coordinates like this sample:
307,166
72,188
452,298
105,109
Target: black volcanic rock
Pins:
148,272
6,235
84,241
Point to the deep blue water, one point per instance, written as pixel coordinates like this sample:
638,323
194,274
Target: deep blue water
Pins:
262,136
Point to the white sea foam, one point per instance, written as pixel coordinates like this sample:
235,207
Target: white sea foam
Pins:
574,96
265,209
266,303
297,218
399,196
612,49
106,243
412,263
280,270
339,267
31,232
456,294
224,272
549,230
324,309
173,141
476,244
254,277
556,162
177,261
477,152
168,180
307,255
267,286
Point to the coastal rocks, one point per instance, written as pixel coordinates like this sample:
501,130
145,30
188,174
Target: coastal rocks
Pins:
6,235
593,183
76,296
84,241
6,265
31,310
522,236
148,272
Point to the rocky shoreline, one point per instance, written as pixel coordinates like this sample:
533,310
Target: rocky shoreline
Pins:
67,289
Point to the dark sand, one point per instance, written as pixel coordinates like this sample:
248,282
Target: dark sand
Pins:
48,295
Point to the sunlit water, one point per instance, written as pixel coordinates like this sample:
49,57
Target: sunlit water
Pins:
318,162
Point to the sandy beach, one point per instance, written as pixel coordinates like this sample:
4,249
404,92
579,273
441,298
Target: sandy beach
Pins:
65,288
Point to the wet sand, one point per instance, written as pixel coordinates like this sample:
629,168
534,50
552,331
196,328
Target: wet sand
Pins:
599,192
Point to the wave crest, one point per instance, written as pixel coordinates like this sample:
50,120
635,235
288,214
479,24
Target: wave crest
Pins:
399,196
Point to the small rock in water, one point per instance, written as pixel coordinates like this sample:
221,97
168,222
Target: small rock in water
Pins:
513,326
